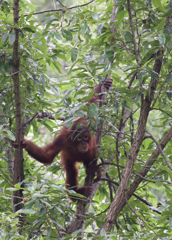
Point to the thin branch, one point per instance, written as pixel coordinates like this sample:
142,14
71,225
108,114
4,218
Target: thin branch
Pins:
135,195
159,109
29,120
117,159
40,115
60,9
146,179
162,153
18,71
61,4
136,50
10,196
139,217
110,187
132,79
159,93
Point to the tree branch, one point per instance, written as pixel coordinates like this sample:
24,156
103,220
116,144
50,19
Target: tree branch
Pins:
60,9
162,153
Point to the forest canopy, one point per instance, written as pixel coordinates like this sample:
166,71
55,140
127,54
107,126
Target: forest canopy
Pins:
52,56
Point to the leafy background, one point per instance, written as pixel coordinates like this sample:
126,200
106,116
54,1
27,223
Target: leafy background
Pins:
63,55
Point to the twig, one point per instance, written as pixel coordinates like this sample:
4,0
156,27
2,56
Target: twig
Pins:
132,79
137,174
17,71
135,195
60,9
162,153
29,120
61,4
10,195
162,111
42,115
136,50
117,159
110,187
159,92
139,216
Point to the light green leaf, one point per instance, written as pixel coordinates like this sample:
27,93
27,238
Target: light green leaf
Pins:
57,35
10,134
4,37
162,39
157,4
170,221
30,15
12,37
93,110
26,211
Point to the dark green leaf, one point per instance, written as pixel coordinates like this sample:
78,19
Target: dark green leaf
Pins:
42,79
169,94
84,28
29,28
67,35
169,77
74,54
128,37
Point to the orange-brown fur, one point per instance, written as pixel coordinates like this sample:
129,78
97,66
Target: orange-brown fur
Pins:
73,150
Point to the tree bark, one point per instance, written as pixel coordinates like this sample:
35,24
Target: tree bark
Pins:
18,158
117,205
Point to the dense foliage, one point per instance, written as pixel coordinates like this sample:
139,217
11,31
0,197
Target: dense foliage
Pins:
63,54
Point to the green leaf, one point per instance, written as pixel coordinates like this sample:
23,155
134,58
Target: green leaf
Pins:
4,37
74,54
26,211
10,134
162,39
157,4
84,28
42,79
170,221
21,20
12,37
30,15
67,35
128,37
57,35
95,16
29,28
153,74
55,90
102,232
11,189
119,18
93,110
169,78
109,53
169,94
141,74
17,186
